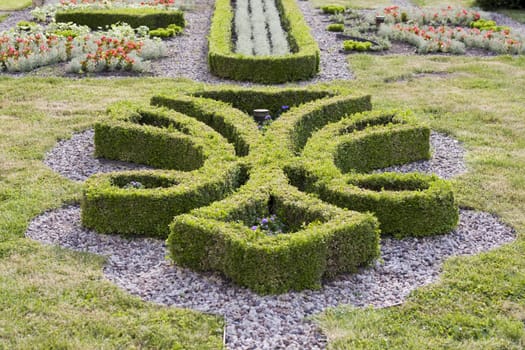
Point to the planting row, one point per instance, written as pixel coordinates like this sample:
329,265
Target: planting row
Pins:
258,29
267,29
275,210
448,30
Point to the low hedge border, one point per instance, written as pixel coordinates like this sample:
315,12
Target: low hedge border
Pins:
300,65
294,170
162,138
405,204
324,240
153,18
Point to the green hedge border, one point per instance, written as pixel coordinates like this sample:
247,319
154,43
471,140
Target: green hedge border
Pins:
301,65
108,207
405,204
237,174
135,17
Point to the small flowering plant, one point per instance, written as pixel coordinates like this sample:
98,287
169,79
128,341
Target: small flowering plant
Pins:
268,119
271,225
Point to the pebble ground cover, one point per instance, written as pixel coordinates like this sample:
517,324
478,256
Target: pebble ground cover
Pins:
477,303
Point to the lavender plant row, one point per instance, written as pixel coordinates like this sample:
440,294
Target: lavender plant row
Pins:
258,29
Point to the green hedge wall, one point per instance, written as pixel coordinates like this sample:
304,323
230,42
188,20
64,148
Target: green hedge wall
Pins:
135,17
500,4
300,65
405,204
309,168
325,240
161,138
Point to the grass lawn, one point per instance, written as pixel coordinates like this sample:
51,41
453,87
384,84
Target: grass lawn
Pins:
357,4
517,15
479,302
444,3
51,298
55,298
9,5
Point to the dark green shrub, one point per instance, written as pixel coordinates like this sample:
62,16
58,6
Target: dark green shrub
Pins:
500,4
483,24
332,9
335,27
160,138
135,17
164,33
352,45
304,171
302,64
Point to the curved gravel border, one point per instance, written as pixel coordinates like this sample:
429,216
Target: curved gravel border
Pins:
73,158
270,322
139,266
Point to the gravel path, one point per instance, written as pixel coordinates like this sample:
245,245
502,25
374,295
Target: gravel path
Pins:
265,322
73,158
270,322
187,55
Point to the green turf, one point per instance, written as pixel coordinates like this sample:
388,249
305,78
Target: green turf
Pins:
51,298
517,15
479,302
11,5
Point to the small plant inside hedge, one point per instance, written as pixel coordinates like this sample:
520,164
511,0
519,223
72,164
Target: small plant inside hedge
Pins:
352,45
335,27
164,33
332,9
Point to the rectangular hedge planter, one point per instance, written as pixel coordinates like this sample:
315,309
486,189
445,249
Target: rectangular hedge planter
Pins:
135,17
302,64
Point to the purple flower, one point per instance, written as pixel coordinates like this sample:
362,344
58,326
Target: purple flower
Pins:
264,221
268,117
254,227
284,108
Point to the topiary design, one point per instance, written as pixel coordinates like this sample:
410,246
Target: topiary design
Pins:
307,172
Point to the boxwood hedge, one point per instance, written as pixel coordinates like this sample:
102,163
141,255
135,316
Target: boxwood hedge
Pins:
308,168
153,18
301,64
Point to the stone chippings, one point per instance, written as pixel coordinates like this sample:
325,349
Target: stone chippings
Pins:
139,265
73,158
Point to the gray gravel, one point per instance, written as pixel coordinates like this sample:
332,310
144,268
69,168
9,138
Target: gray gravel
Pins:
265,322
73,158
187,54
270,322
447,159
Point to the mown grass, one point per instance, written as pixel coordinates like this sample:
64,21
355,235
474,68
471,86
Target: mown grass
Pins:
479,302
444,3
52,298
11,5
59,299
356,4
517,15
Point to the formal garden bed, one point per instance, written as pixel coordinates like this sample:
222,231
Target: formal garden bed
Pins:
263,209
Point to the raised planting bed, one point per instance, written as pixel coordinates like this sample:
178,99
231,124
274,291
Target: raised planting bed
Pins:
451,30
262,41
276,209
153,18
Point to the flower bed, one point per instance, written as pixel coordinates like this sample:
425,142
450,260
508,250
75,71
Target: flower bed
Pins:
448,30
223,61
118,49
245,208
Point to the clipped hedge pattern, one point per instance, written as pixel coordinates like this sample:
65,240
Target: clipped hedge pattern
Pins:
301,64
135,17
307,169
